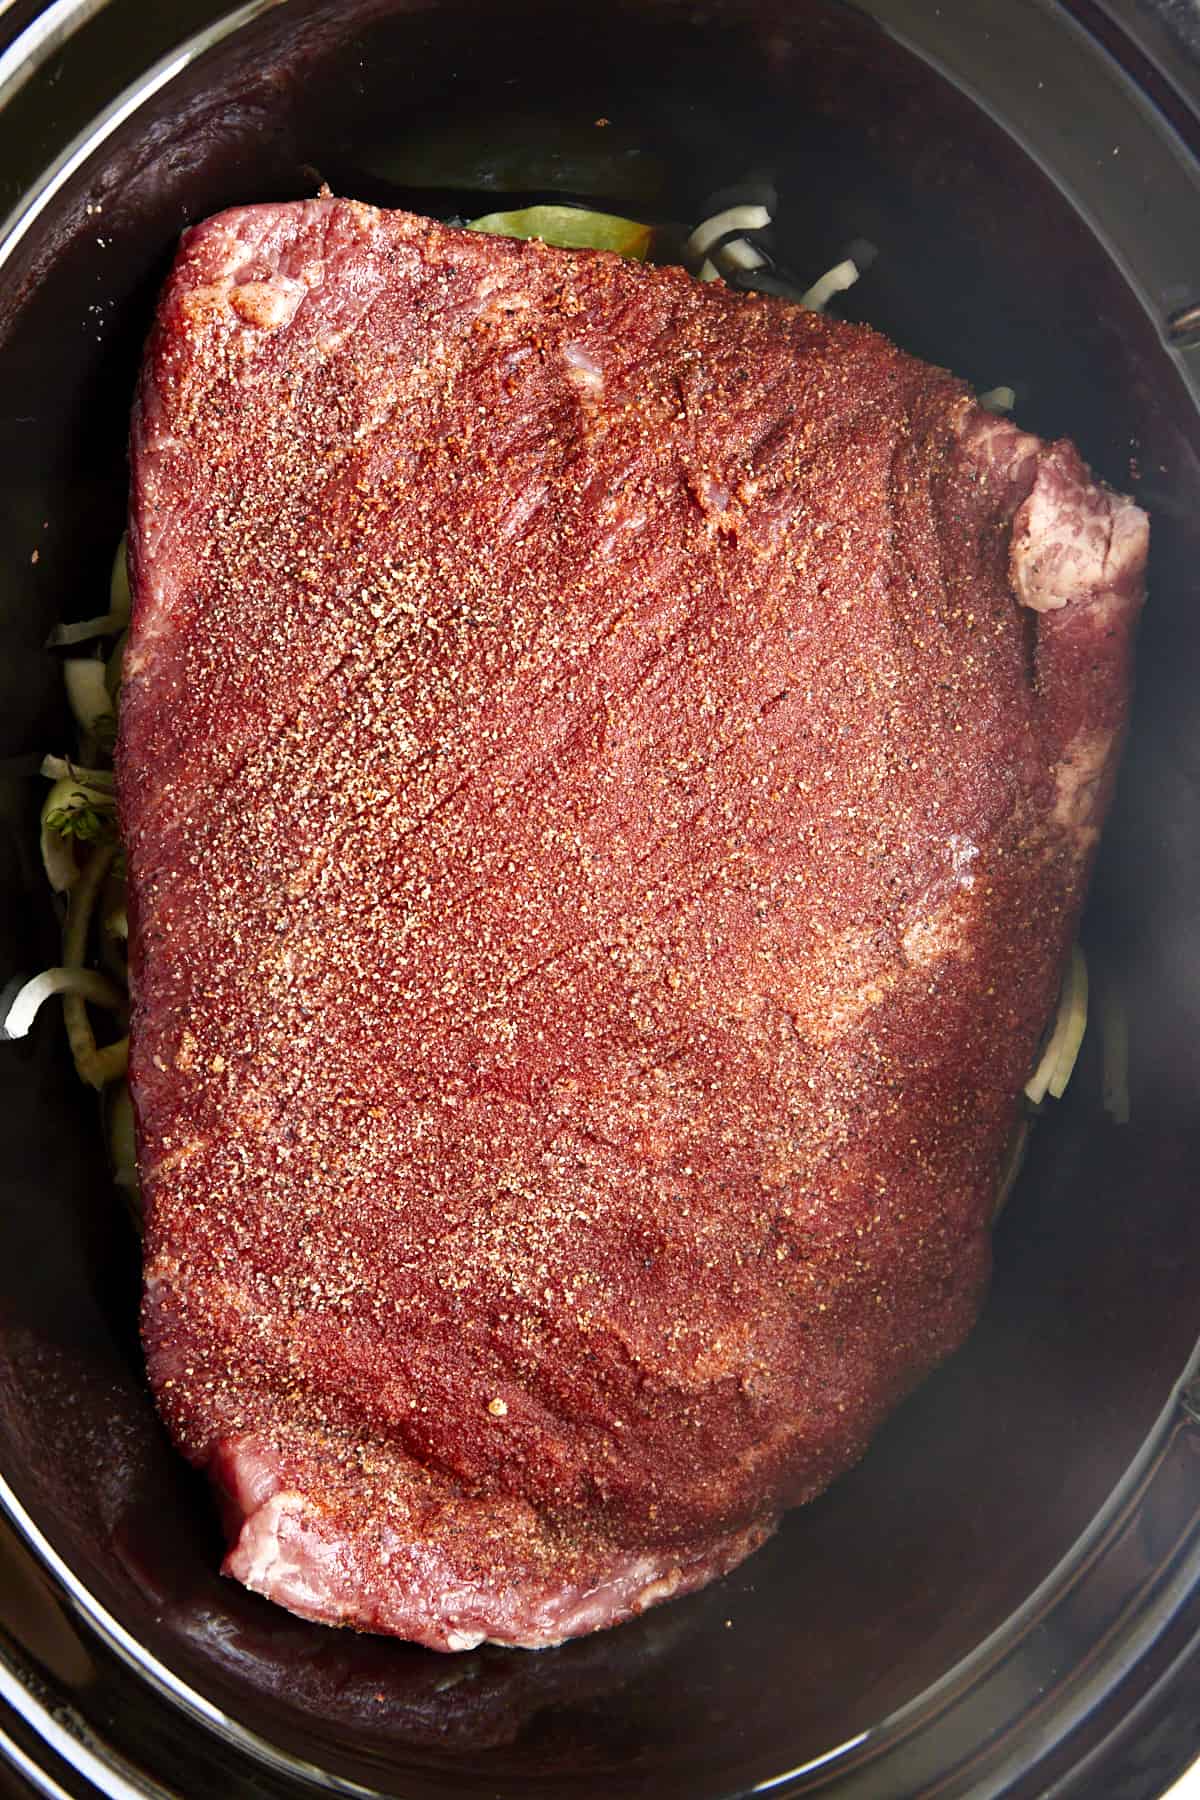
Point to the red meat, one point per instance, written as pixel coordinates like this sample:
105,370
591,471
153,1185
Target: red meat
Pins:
609,769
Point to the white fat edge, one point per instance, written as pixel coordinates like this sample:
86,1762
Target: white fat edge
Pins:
271,1571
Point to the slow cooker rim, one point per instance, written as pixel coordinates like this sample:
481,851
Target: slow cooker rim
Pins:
18,65
1134,1498
24,56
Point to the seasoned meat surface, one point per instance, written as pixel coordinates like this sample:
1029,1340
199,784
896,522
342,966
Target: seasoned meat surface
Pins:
609,769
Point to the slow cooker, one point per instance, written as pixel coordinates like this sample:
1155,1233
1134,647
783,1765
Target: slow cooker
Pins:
1004,1598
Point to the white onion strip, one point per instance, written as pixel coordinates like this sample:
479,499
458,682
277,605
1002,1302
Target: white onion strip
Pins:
96,1067
843,275
119,597
121,1141
1058,1061
998,400
84,630
734,218
87,983
739,253
57,768
58,858
107,624
93,1065
87,692
91,683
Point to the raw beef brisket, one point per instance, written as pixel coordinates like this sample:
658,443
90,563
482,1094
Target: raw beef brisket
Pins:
609,769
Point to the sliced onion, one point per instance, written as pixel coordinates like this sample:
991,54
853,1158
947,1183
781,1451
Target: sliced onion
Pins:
739,254
114,668
86,983
58,857
1058,1061
119,598
998,400
93,1065
114,930
122,1150
710,231
843,275
87,690
82,904
57,768
82,631
708,271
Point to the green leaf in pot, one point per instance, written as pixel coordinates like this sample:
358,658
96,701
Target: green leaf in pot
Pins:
571,228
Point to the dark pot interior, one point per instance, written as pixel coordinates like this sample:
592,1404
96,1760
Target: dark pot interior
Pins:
986,1479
